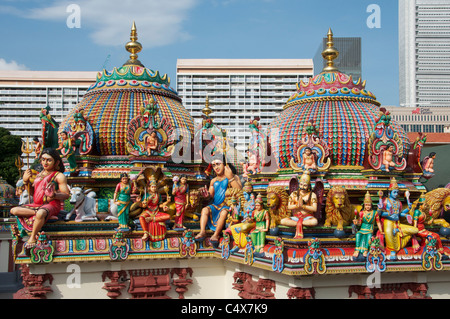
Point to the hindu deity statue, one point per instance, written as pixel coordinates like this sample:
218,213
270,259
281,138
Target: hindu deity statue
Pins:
214,215
428,164
249,197
37,147
303,205
49,189
309,160
421,219
122,198
152,219
396,234
262,222
366,219
67,149
240,229
180,191
234,212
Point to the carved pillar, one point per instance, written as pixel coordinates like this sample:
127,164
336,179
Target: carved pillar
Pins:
182,282
301,293
114,288
33,285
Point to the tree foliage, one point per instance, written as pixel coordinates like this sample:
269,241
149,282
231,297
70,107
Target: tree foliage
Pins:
10,149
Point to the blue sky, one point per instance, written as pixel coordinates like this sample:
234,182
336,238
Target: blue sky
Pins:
35,34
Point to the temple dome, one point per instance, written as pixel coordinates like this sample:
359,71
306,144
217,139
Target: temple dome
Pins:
342,110
117,97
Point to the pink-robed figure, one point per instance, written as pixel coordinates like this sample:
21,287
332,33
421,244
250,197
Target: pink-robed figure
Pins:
49,190
180,192
152,220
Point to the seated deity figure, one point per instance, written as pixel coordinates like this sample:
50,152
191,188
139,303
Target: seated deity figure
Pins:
234,213
49,189
214,215
428,163
152,220
152,143
309,159
420,220
303,204
388,158
396,234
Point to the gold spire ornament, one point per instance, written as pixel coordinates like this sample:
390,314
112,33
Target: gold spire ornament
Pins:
330,54
134,47
207,110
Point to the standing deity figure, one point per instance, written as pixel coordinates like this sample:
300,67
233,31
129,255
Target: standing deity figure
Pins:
49,189
152,219
37,147
303,205
180,191
214,215
421,219
258,233
366,219
67,150
396,234
122,198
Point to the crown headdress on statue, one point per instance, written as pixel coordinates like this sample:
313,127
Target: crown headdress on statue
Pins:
422,199
368,199
393,185
152,181
248,187
259,199
305,178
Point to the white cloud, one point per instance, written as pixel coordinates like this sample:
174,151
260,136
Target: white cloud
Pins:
11,66
109,21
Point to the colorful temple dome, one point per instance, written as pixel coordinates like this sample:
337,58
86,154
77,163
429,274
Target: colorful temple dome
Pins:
118,96
340,109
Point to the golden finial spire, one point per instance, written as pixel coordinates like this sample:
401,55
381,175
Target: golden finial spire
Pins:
134,47
330,54
207,110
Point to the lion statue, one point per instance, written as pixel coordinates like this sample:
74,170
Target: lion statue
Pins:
339,211
436,202
193,204
277,202
236,193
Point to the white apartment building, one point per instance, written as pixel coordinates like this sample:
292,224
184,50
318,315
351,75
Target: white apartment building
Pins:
421,119
424,53
24,93
239,90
